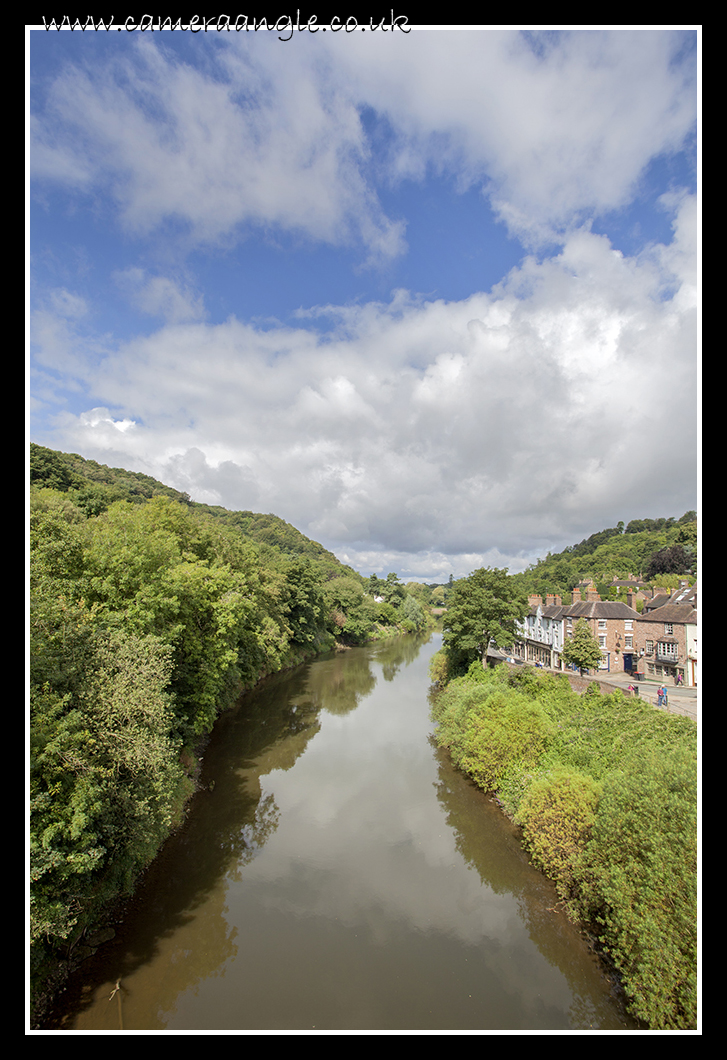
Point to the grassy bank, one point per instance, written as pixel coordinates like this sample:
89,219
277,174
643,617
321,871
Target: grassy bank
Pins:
605,790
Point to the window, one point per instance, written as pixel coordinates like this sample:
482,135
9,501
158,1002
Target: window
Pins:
668,650
602,641
602,623
649,647
668,628
629,623
629,640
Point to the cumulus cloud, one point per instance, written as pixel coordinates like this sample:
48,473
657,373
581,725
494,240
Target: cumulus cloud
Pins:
176,143
552,127
425,429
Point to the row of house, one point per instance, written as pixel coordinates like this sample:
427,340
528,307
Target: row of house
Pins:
659,642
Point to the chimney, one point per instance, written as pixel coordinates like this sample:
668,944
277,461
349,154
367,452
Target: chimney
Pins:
576,595
552,600
535,600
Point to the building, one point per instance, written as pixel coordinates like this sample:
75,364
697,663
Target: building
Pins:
547,626
614,625
541,639
667,638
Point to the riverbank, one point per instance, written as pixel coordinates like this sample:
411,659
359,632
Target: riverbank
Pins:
578,773
49,976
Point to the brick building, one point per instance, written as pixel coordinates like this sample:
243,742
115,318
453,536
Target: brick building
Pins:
548,625
667,643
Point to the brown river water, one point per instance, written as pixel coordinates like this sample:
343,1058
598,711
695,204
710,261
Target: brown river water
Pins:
337,874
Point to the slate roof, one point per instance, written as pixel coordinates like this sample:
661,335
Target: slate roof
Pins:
587,609
679,613
599,609
687,595
657,602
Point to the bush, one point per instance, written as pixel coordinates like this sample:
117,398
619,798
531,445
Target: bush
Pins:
438,672
511,728
605,789
557,814
638,882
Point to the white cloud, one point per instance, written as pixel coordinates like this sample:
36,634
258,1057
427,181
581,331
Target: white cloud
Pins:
552,130
477,428
551,133
411,435
160,296
175,143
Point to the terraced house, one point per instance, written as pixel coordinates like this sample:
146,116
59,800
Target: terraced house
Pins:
548,625
667,638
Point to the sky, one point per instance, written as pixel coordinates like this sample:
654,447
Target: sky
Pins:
433,297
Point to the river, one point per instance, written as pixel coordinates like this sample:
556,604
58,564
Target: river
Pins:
335,873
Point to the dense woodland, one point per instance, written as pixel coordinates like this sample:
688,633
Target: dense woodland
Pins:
149,614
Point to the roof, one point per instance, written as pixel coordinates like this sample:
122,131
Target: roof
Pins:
657,602
679,613
599,609
586,609
686,595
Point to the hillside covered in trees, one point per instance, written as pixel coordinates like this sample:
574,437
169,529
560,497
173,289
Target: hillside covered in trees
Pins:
149,614
655,551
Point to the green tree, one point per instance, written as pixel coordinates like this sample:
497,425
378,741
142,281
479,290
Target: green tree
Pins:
481,609
582,649
412,615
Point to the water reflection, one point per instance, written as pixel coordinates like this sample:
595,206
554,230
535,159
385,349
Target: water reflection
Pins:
339,874
491,846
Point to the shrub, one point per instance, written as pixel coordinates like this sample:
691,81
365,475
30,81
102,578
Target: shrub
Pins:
438,669
510,728
638,882
557,814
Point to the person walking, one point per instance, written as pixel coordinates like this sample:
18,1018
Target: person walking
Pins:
660,692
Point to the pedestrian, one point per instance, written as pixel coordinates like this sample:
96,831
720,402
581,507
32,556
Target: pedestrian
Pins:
660,695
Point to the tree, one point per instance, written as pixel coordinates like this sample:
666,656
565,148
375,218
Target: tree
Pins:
412,615
482,608
582,649
671,560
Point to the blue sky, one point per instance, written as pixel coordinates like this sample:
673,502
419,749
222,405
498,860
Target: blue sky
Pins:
432,297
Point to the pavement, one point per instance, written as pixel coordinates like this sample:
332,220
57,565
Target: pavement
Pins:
680,700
